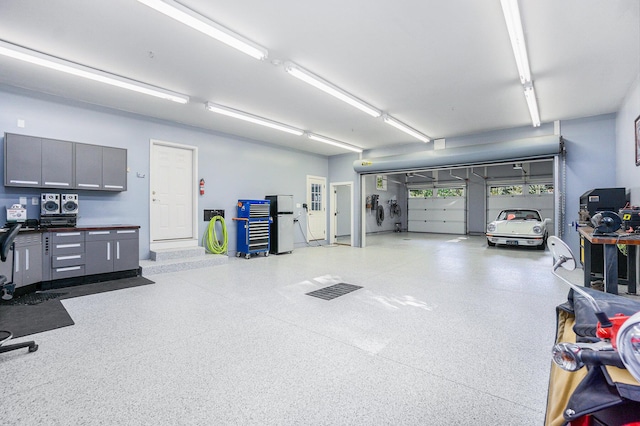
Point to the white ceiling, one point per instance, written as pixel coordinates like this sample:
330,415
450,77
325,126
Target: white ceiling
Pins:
445,68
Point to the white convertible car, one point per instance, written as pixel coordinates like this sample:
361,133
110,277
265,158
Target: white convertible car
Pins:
518,227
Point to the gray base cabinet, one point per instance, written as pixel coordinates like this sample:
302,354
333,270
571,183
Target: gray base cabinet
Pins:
26,259
111,250
68,254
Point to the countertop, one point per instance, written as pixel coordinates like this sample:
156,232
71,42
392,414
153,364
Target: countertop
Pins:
77,228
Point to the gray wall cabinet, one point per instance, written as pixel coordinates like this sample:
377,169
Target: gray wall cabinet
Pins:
49,163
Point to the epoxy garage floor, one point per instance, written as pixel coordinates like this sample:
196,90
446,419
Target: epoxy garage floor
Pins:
444,331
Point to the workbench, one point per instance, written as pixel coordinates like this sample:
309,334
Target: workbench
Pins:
610,245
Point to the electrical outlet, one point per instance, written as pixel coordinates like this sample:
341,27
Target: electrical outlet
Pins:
211,213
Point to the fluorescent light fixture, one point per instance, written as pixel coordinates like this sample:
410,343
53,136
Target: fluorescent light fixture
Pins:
230,112
57,64
329,88
408,130
333,142
530,95
206,26
516,34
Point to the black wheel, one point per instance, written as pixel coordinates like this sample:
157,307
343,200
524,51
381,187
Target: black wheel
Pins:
490,244
266,254
543,245
247,256
238,254
33,348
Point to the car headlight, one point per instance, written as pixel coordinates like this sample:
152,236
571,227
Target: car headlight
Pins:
628,344
537,229
491,227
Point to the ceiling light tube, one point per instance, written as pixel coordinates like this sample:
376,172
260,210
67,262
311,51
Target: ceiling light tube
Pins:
230,112
408,130
329,88
57,64
516,34
532,103
334,142
206,26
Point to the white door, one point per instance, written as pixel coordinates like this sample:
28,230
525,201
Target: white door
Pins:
316,208
172,192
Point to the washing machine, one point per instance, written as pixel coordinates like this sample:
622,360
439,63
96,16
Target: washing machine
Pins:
69,204
49,204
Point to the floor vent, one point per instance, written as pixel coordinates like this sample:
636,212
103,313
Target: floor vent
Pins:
334,291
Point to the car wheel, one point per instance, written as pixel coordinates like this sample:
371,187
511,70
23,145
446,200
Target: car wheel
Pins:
543,245
490,244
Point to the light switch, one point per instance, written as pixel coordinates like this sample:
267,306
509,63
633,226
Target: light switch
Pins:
20,123
23,201
35,201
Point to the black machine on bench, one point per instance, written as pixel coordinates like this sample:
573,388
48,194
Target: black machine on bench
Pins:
7,287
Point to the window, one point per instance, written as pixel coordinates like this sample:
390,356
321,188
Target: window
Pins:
450,192
517,214
540,189
505,190
420,193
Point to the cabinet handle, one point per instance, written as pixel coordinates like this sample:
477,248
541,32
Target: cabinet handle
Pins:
114,186
89,185
68,234
26,259
70,268
118,250
16,255
133,231
67,245
56,183
108,250
75,256
24,182
99,232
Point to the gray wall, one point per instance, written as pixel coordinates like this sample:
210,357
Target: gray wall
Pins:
232,168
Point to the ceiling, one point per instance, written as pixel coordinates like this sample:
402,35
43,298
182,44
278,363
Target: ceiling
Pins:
445,68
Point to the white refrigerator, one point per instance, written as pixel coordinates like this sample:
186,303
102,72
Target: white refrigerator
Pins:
281,208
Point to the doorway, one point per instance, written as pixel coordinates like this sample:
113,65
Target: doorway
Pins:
173,201
342,213
316,208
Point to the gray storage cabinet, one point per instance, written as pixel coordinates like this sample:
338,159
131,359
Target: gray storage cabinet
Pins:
22,160
48,163
66,252
27,259
57,164
100,168
111,250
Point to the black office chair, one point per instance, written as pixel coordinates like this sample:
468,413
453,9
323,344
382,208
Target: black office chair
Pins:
6,245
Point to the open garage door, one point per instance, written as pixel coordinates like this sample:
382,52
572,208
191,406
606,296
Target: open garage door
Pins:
538,196
438,210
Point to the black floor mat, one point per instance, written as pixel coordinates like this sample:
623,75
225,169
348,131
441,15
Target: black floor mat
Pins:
43,311
334,291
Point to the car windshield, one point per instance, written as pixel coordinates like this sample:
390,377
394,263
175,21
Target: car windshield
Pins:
519,215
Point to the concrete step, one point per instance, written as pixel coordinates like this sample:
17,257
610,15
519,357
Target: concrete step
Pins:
151,267
176,253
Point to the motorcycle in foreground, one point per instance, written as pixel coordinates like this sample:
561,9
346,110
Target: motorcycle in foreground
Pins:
599,331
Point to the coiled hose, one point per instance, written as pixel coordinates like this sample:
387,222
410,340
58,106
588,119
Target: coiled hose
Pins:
210,239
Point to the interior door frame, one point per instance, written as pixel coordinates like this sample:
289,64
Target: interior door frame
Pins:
324,204
178,243
334,210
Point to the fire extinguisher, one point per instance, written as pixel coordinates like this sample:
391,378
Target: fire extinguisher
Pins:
201,186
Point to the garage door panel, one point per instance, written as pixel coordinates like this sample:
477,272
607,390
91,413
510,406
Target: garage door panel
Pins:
436,227
437,215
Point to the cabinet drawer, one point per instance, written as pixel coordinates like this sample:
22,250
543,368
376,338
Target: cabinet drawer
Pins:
70,247
64,260
98,235
67,272
125,234
67,237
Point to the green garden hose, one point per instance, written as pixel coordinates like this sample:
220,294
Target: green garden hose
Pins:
210,240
